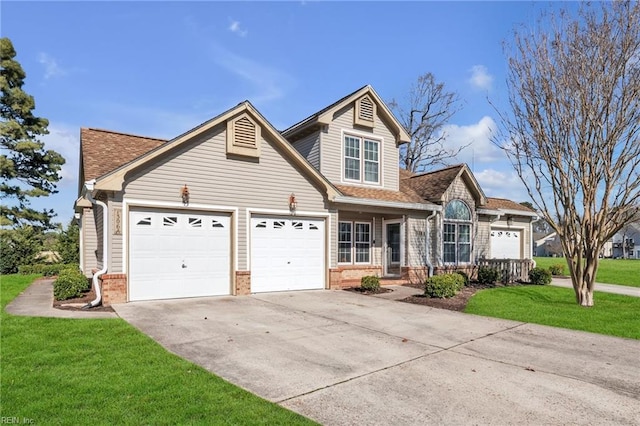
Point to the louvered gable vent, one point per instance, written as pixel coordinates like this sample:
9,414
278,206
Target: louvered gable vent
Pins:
243,137
245,132
365,112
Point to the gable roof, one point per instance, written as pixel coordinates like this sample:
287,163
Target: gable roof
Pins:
433,185
325,115
102,151
113,179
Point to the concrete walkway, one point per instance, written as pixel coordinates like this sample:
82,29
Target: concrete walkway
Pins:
37,301
606,288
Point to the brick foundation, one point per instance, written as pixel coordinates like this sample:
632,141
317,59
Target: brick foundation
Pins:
349,276
415,275
114,288
243,283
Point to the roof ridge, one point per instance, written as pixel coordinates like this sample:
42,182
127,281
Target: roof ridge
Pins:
115,132
439,170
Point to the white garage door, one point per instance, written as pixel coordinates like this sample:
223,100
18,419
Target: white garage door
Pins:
287,254
506,244
178,254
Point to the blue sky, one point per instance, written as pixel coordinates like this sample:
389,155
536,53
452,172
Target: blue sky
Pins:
160,68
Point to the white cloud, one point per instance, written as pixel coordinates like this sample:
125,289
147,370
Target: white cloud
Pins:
66,141
478,138
51,66
235,27
502,184
480,77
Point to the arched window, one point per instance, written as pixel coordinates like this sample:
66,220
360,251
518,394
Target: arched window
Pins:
457,232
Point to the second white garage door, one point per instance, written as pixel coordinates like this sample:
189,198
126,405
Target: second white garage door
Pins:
287,254
178,254
505,244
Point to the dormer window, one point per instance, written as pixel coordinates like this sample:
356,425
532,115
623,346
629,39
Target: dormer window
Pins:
365,112
361,159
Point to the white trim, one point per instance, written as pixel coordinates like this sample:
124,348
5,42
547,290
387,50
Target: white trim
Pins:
362,135
128,203
250,211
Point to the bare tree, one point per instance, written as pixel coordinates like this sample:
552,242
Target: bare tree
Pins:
424,112
573,132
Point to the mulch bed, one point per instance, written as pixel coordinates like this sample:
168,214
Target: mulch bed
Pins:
455,303
87,297
362,291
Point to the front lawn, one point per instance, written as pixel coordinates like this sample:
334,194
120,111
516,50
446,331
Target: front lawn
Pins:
104,371
610,271
613,314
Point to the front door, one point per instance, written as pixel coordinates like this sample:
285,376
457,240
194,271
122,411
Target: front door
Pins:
392,249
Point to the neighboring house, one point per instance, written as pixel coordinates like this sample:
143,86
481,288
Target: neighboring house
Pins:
547,245
626,243
234,206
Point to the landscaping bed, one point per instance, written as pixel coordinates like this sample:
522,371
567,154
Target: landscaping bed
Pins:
455,303
367,292
77,303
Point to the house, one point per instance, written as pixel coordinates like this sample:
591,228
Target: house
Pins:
547,245
233,207
626,243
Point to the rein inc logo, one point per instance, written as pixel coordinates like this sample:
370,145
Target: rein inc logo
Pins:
16,421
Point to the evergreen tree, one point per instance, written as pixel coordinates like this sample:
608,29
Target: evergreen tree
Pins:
27,169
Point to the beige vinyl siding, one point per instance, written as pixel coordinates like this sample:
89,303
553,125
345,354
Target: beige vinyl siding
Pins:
331,146
482,243
98,222
213,179
115,241
90,242
416,241
309,147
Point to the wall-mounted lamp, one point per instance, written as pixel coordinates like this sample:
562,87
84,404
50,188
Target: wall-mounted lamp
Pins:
185,195
292,203
509,220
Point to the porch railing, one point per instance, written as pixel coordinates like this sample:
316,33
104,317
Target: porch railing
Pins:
511,270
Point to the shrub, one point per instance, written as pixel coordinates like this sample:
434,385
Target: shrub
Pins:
45,269
370,283
69,284
539,276
488,275
557,269
464,276
444,286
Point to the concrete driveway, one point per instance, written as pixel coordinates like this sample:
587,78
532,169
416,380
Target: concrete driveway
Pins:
342,358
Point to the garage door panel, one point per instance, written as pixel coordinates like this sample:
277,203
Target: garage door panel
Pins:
178,254
506,244
287,254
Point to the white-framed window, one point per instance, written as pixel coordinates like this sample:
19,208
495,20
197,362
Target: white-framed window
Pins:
361,159
456,233
354,242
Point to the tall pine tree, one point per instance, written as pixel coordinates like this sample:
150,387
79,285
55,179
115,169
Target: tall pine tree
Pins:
26,167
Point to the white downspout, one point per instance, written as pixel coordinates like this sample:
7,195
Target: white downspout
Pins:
427,243
105,257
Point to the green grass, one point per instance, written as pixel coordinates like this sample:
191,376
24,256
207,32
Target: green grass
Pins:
613,314
610,271
104,371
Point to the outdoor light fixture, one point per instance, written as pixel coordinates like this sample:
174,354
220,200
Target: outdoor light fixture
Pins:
185,195
292,203
509,220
